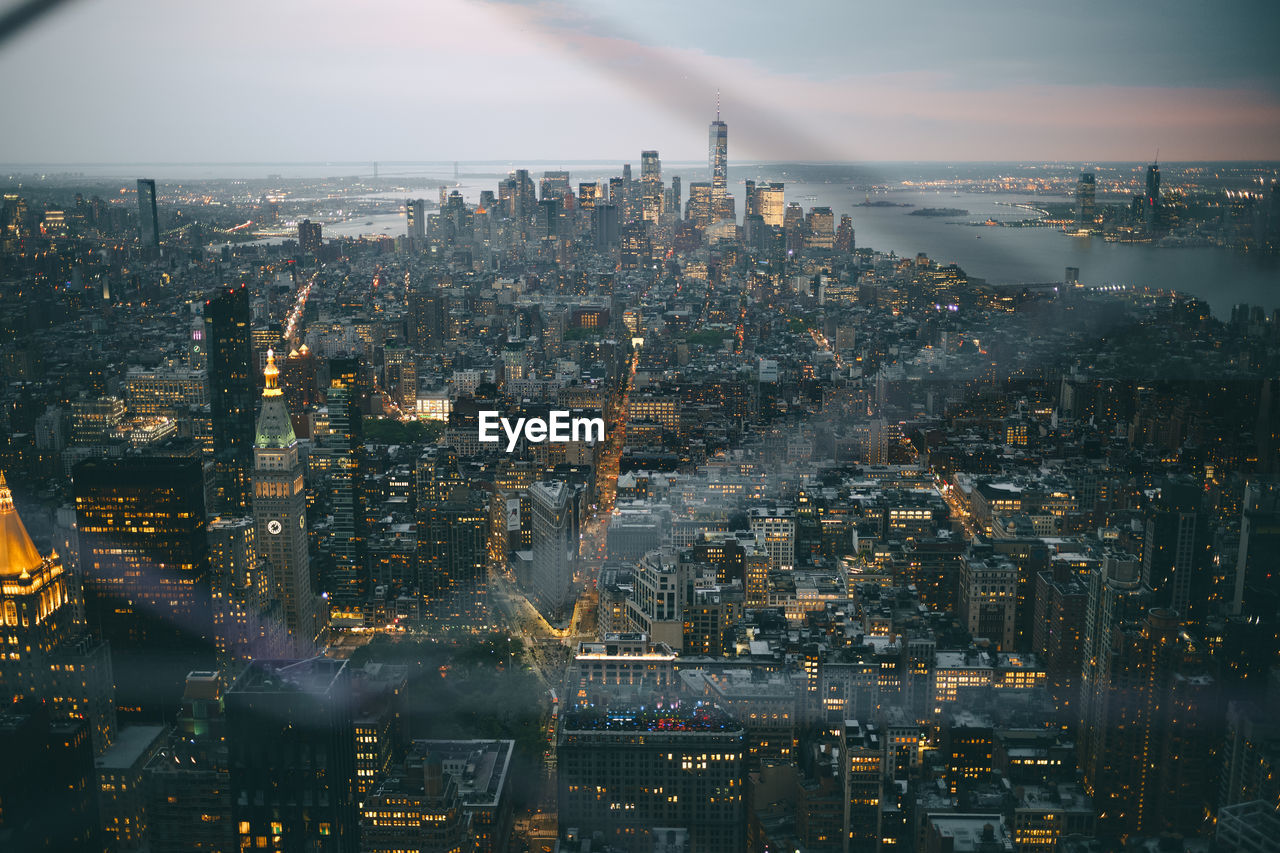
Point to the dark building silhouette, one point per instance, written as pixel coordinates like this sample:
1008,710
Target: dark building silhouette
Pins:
291,750
144,559
1086,201
228,343
56,807
187,785
148,220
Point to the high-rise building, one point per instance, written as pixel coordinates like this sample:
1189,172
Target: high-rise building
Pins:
1257,572
554,185
36,613
845,239
280,515
820,228
555,546
122,804
291,751
1140,712
309,239
143,555
428,318
1176,550
48,658
988,598
651,186
148,219
400,377
48,795
684,768
766,200
299,376
1060,600
186,785
229,347
861,772
775,529
415,210
635,247
347,582
453,549
247,622
604,226
718,165
1086,210
1151,199
418,807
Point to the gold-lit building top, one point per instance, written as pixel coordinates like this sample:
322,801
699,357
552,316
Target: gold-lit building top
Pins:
18,554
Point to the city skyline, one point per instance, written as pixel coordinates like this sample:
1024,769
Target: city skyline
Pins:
669,504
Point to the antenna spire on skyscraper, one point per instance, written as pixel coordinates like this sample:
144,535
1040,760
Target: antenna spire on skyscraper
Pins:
717,104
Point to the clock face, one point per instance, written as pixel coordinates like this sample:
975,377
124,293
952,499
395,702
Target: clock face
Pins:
302,523
273,527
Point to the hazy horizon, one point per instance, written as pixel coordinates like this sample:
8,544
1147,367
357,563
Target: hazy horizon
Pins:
320,81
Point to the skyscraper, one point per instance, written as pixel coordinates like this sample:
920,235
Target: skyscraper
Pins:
144,559
36,613
246,619
347,582
416,215
718,164
453,548
291,750
229,347
1085,201
555,546
148,220
1151,200
651,186
309,236
1176,549
280,514
1257,575
429,318
46,658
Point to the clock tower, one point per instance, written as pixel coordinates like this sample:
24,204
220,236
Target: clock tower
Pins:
280,515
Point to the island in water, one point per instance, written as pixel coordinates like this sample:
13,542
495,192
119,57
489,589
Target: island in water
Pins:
939,211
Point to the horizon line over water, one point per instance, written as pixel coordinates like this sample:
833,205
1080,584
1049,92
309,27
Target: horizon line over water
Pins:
387,169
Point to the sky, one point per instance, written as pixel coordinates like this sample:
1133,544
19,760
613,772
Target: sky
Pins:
159,81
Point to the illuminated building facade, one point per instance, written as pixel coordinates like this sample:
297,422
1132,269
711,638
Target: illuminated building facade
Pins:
627,772
144,562
280,515
718,165
36,614
347,583
417,808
